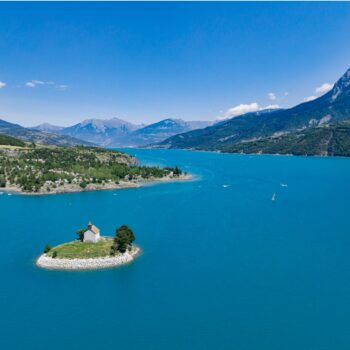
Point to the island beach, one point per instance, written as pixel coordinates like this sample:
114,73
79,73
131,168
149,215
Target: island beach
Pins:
74,188
48,262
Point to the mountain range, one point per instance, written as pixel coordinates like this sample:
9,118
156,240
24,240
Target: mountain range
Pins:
119,133
332,107
107,133
37,136
317,127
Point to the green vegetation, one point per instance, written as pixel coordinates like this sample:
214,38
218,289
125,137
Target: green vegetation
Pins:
11,141
106,246
123,239
80,234
43,169
81,250
47,248
327,140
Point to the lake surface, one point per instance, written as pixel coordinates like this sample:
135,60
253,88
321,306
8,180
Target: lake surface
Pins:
223,266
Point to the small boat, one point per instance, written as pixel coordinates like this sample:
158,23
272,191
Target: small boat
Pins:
224,186
273,197
284,185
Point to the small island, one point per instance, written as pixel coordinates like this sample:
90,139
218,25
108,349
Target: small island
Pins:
91,250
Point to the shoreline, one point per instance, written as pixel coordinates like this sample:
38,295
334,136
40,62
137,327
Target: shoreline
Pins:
254,154
96,187
49,263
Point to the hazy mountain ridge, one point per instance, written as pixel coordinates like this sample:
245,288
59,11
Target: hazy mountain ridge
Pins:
119,133
163,129
37,136
111,132
46,127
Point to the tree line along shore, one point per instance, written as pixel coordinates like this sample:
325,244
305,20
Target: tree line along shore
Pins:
36,169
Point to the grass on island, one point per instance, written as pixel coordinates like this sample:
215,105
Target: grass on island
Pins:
81,250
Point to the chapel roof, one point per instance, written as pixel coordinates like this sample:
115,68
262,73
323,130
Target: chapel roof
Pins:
93,228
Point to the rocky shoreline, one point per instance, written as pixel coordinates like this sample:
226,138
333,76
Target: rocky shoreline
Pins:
72,188
48,262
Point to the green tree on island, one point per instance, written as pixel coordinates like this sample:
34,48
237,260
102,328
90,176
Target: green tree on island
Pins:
80,234
47,248
2,182
177,171
123,239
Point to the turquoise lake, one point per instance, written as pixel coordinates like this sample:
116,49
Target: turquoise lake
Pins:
223,266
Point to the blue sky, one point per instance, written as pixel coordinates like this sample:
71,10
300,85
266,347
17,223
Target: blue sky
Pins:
142,62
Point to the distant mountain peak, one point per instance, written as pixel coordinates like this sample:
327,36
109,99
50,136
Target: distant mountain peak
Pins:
341,86
172,121
47,124
47,127
113,122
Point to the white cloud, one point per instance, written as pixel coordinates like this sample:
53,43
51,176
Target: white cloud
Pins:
61,87
272,96
286,93
2,84
30,84
319,91
34,83
310,98
244,108
240,109
275,106
323,88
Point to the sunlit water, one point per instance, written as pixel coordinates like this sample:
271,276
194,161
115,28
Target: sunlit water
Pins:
223,266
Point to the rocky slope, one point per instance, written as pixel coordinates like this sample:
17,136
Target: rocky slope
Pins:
113,132
160,131
324,140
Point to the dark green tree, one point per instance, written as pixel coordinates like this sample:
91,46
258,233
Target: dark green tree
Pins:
83,184
123,239
47,248
80,234
177,171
